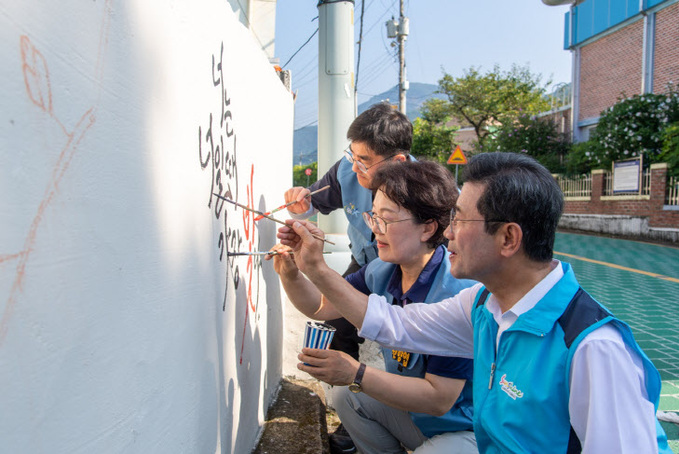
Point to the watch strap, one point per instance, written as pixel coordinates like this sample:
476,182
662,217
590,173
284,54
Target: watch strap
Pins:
359,374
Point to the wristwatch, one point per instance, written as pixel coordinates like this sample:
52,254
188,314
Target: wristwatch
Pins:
355,387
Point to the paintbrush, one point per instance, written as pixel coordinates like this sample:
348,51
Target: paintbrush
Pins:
285,205
231,254
246,208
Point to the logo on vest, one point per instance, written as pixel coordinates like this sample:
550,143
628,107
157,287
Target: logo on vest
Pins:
511,390
350,209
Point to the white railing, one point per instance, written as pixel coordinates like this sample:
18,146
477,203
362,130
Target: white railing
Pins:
578,186
672,191
645,184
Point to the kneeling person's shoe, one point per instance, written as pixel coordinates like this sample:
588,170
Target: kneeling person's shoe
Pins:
341,444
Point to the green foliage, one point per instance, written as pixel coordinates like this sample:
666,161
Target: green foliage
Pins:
537,137
579,159
431,137
299,178
670,149
633,127
435,110
496,97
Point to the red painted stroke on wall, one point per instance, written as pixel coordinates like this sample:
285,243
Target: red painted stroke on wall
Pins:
249,229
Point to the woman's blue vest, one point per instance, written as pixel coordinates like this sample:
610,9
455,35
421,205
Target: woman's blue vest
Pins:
526,407
459,417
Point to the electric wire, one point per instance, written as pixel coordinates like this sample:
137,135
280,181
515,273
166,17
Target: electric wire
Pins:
360,42
300,48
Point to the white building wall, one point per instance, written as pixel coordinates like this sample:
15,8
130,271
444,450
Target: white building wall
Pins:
124,324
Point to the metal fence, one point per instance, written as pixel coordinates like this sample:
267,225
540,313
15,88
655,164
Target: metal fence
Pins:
672,191
577,186
581,186
645,184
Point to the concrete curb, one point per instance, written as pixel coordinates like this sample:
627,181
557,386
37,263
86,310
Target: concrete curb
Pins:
296,421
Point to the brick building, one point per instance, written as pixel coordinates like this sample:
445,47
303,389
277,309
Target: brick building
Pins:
620,48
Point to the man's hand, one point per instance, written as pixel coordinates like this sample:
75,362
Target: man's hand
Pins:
299,235
283,262
331,366
298,194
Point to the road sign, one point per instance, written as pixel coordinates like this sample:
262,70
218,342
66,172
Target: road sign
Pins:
308,172
457,157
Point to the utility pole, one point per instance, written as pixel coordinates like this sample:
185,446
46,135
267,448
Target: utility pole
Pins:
399,30
335,91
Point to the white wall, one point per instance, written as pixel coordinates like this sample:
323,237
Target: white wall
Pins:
124,326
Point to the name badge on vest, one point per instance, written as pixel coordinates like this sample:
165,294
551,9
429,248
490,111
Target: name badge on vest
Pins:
403,358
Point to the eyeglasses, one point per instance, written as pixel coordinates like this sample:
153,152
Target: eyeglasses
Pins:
362,167
453,221
379,223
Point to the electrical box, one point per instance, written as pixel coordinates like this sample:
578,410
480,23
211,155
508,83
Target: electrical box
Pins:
404,27
392,28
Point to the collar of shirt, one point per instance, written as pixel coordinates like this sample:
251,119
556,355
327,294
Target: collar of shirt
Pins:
419,290
527,302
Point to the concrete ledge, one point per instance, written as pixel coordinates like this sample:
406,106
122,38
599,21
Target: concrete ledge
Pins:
619,225
296,421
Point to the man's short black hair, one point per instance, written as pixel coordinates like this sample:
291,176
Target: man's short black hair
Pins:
385,130
426,189
518,189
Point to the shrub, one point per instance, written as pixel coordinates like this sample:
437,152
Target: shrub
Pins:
670,149
580,158
299,178
634,127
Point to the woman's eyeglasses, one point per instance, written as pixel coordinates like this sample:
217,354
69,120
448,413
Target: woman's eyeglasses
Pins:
379,223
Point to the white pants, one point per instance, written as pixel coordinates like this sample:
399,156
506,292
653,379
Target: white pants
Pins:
377,428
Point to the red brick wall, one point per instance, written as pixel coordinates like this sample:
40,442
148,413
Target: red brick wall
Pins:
653,209
666,48
610,67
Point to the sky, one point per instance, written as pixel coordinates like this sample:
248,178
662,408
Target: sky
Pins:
445,35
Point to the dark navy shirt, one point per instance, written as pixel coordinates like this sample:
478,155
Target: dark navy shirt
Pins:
443,366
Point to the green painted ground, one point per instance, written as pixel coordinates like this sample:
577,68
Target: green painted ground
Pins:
649,304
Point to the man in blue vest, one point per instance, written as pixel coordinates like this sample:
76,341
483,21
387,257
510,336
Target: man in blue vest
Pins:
554,371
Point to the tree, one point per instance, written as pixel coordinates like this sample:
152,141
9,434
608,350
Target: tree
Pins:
431,137
494,98
534,136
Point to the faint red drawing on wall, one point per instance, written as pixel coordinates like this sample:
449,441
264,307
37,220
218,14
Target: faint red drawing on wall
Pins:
37,82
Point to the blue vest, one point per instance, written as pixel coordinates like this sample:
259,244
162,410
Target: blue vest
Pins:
355,200
529,387
459,417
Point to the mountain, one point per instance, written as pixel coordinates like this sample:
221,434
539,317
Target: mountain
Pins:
305,140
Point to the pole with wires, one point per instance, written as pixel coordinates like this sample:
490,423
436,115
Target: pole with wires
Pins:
399,29
336,105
